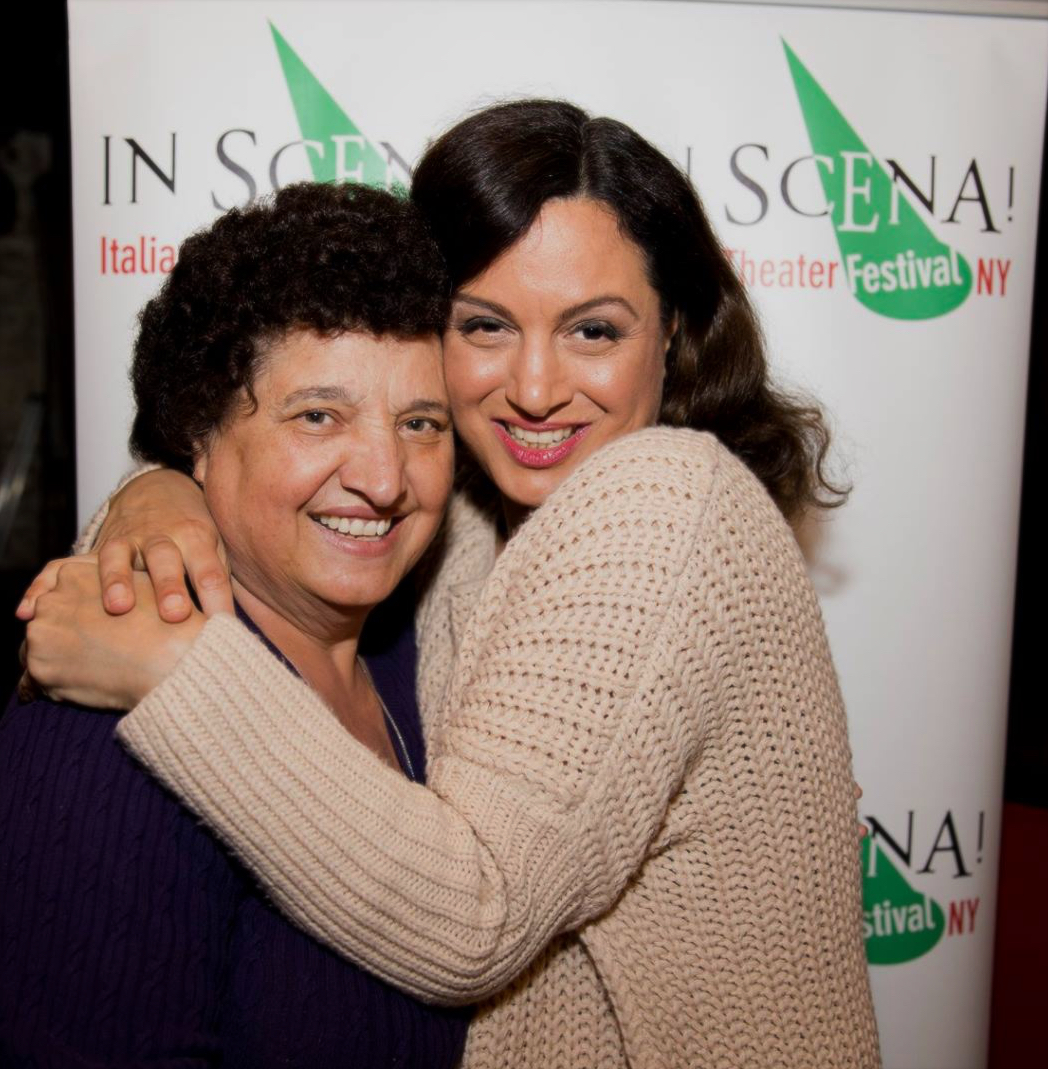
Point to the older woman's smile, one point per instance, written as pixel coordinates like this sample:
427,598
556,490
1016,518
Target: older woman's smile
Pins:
359,535
330,488
357,526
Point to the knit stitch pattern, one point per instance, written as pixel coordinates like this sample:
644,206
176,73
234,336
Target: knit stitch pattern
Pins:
640,820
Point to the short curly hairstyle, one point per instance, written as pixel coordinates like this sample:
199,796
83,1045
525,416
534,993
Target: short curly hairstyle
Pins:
320,257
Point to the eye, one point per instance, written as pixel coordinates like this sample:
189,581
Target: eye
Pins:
424,426
481,328
315,417
597,330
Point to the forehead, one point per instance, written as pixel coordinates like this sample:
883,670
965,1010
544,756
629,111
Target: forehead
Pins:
574,250
360,364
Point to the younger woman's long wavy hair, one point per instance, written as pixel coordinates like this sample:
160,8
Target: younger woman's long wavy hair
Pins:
481,186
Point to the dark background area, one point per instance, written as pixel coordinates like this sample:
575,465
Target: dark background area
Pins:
37,448
37,451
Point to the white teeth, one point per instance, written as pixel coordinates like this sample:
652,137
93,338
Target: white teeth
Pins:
356,528
539,438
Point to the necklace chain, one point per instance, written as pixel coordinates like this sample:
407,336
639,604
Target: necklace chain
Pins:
398,739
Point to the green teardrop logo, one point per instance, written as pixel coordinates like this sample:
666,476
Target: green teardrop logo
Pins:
337,150
899,924
893,263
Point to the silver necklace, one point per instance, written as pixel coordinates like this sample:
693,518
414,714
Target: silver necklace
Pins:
398,739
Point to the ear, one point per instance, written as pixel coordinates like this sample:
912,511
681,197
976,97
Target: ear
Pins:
671,332
200,467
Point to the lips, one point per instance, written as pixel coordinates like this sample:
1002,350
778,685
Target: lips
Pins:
360,536
539,447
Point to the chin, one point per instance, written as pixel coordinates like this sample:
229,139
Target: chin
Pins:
530,493
355,597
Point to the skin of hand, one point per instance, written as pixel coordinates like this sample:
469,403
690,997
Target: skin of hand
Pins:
157,523
105,661
863,830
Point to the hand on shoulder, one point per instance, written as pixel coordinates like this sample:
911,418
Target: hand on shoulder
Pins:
77,652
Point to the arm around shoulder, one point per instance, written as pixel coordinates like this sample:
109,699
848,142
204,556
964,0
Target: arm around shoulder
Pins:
551,765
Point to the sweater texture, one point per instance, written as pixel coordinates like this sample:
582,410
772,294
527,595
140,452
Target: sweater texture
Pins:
638,840
129,937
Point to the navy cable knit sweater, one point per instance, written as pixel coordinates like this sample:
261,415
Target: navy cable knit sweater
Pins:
130,937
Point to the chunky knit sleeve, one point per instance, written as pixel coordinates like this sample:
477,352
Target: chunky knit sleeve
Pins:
562,741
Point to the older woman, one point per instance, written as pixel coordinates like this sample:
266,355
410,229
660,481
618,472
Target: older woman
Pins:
638,837
292,364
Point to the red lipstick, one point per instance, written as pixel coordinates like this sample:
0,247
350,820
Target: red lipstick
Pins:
540,456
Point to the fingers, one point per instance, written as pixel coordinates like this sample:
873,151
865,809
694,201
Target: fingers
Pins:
116,561
191,549
69,581
28,688
203,560
167,571
213,589
44,582
863,830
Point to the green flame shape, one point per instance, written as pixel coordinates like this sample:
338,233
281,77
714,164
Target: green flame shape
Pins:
899,923
894,266
338,150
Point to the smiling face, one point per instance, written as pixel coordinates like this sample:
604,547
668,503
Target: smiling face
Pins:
555,349
329,490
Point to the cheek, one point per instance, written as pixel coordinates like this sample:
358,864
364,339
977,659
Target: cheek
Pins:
277,479
471,374
431,475
631,389
652,399
650,383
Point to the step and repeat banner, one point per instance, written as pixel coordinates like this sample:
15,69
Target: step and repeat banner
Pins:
874,177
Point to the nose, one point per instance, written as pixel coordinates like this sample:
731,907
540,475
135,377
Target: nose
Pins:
536,380
373,467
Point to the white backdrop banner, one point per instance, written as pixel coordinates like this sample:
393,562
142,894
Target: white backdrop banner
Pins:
874,176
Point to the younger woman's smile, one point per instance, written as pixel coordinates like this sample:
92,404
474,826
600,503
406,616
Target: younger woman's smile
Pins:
555,349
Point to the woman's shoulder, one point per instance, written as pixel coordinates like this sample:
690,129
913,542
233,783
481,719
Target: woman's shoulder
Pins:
116,901
669,499
65,776
667,473
42,739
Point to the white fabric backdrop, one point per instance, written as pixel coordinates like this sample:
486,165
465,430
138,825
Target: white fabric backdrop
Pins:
181,107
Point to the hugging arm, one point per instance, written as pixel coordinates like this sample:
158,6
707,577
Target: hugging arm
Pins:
552,762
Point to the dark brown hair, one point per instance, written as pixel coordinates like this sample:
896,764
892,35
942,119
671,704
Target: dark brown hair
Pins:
483,183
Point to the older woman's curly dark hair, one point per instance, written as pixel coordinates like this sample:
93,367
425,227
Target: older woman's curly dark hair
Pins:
317,257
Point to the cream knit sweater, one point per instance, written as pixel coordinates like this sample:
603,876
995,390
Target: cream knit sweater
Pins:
639,814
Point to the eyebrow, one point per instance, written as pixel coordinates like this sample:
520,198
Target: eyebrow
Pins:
317,393
425,404
564,317
340,395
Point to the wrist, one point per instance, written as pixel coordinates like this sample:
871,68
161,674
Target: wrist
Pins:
164,656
